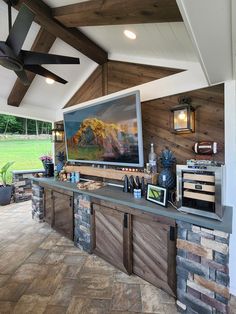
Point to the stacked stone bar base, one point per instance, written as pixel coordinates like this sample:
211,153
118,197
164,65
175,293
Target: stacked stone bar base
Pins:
202,270
22,181
82,222
37,203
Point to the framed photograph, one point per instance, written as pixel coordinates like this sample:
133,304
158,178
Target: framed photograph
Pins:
157,194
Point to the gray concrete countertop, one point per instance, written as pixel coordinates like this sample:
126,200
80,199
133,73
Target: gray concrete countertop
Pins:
116,195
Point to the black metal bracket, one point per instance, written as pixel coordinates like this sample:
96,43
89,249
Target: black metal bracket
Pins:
172,234
125,220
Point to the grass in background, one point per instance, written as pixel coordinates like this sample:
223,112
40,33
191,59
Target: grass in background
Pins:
25,153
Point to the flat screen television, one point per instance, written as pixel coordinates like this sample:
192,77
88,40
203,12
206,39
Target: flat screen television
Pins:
107,132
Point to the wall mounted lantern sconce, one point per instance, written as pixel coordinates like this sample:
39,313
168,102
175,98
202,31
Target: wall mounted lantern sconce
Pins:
183,117
58,133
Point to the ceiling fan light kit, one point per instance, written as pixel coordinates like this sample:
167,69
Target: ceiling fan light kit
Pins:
12,57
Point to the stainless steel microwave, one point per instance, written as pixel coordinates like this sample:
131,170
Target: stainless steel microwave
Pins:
199,190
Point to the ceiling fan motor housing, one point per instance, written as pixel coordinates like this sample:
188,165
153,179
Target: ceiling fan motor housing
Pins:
8,59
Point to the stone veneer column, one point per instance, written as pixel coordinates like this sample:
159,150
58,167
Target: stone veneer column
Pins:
37,202
202,270
82,222
22,181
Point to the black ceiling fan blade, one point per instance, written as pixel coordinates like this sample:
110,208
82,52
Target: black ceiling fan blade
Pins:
37,69
23,77
31,57
20,29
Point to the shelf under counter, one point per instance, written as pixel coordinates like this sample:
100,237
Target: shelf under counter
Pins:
116,195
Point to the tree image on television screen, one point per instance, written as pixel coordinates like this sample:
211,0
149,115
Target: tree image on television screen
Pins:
97,139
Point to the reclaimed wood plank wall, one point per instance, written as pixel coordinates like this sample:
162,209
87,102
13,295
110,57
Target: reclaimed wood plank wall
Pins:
209,104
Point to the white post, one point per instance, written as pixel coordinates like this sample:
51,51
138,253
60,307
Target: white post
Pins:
230,162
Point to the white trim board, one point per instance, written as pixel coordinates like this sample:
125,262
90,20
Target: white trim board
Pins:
209,26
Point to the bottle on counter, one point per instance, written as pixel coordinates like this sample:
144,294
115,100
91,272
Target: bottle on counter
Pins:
152,159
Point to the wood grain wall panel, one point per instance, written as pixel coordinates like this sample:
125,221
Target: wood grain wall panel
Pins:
209,104
122,75
91,89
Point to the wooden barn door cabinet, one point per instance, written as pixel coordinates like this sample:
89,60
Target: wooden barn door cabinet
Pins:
63,214
58,210
111,236
154,251
136,241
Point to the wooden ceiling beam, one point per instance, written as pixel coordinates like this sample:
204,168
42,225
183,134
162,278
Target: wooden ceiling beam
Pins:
42,43
116,12
72,36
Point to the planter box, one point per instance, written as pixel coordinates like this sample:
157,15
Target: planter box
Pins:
5,194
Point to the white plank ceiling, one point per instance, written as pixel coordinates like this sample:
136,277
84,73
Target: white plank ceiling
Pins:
164,44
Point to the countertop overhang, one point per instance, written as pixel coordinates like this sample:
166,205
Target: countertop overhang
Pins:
116,195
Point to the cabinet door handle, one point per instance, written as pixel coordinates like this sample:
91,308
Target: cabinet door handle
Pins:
71,201
125,220
172,234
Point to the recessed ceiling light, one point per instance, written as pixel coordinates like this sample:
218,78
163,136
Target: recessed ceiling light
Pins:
129,34
50,81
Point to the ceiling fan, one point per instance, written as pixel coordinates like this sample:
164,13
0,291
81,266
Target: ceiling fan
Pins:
14,58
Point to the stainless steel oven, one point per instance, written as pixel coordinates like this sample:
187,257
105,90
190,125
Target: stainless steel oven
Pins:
199,190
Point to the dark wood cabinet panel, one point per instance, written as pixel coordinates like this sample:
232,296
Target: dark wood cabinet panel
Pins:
48,209
111,236
63,214
154,252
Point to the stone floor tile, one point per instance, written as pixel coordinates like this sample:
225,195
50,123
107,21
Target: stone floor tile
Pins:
72,259
85,305
126,297
6,307
94,285
32,304
65,241
94,264
27,272
64,293
37,256
233,304
119,276
47,284
170,309
27,308
3,279
50,241
72,271
124,312
10,261
155,300
42,272
12,291
54,309
53,258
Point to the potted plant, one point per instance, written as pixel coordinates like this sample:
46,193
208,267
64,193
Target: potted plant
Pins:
5,189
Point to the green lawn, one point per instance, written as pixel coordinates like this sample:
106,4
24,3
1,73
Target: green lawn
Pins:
25,153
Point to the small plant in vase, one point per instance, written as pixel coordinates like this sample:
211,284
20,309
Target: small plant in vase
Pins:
45,160
167,177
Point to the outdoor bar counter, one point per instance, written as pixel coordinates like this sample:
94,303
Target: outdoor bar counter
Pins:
116,195
181,253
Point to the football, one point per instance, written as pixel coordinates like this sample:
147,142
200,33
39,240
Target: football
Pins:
205,148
